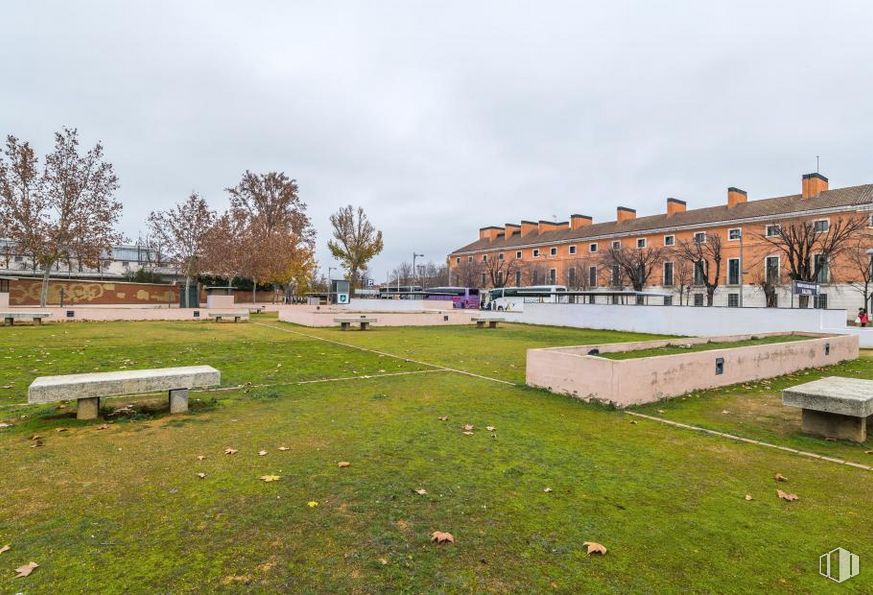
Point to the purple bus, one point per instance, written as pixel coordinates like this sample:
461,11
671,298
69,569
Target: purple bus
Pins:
461,297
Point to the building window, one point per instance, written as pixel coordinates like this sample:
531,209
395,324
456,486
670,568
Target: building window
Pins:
571,276
771,270
616,244
536,252
592,276
699,237
870,221
518,278
698,299
821,226
669,240
518,254
820,264
458,260
733,300
500,256
534,277
469,259
733,276
668,300
668,274
734,234
572,250
821,301
592,247
699,272
641,242
484,258
616,276
553,251
772,230
553,276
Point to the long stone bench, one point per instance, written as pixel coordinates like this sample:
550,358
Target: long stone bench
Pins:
492,322
833,407
87,389
237,316
9,318
363,321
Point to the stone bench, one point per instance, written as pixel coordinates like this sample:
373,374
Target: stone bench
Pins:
87,389
9,318
833,407
492,322
256,309
237,316
363,321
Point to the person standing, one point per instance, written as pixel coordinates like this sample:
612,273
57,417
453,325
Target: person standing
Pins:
863,317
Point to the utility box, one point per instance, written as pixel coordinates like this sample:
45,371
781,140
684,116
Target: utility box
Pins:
339,291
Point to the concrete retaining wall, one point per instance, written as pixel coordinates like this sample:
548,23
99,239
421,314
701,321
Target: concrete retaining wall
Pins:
571,371
323,316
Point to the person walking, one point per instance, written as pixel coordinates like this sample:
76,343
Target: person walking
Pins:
863,317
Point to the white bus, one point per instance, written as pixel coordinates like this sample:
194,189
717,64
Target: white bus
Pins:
511,299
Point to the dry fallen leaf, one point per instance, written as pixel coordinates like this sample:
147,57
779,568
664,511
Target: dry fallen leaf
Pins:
269,478
36,444
748,496
780,477
786,496
444,418
547,490
283,448
103,427
26,569
441,537
201,475
595,548
35,437
421,491
661,411
633,421
343,464
61,430
312,504
490,428
230,451
468,427
468,433
5,548
200,457
262,453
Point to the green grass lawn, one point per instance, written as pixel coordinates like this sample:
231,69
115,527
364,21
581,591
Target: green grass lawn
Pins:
677,348
122,509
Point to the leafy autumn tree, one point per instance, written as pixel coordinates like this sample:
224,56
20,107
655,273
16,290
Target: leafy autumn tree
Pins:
182,231
810,248
704,256
66,212
355,241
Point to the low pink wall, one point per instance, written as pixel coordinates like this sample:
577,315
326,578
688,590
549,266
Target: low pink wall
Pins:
570,371
324,317
108,313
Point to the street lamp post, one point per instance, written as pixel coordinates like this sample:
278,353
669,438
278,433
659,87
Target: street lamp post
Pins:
329,283
414,256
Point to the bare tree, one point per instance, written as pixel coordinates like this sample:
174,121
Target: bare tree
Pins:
635,264
182,230
499,270
859,261
705,258
683,279
810,247
65,213
402,274
468,273
434,275
355,241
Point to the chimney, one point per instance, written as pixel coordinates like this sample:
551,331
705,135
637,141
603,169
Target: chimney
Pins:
625,214
736,196
489,233
528,227
674,205
544,226
813,185
509,229
577,221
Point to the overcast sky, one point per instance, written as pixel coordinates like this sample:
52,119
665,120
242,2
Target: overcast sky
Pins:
442,117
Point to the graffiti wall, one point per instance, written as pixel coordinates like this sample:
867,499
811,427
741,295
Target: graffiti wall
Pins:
25,292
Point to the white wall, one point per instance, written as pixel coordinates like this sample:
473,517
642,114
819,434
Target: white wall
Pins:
688,320
368,305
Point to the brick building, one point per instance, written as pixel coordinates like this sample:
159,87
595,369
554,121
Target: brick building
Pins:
742,244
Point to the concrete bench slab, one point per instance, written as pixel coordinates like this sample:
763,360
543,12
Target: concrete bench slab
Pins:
492,322
237,316
363,321
9,318
87,389
833,407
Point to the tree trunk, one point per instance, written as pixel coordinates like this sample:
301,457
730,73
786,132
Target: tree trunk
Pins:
43,293
254,291
710,295
187,298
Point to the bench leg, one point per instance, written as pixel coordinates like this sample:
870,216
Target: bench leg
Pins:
834,425
235,319
364,326
8,321
88,408
480,324
179,400
492,324
344,326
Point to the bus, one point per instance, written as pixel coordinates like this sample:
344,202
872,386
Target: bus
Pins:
399,292
461,297
510,299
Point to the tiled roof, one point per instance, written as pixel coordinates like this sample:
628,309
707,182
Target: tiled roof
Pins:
779,207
